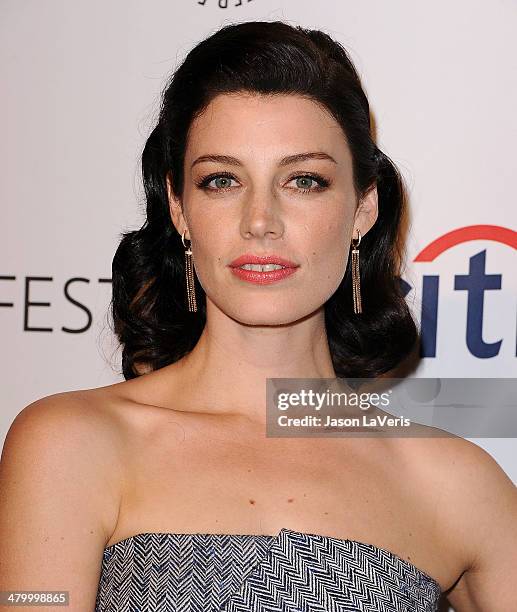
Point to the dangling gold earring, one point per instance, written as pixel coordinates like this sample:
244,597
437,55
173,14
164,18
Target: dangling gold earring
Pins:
356,280
189,273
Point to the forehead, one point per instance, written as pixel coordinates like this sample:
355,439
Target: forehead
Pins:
255,124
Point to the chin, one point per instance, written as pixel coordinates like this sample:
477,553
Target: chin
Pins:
265,315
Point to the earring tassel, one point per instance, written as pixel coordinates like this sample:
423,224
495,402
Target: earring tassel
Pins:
356,282
191,291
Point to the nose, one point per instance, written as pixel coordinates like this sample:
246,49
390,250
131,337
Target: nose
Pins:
261,217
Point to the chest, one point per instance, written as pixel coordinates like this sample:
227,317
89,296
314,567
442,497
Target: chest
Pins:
248,481
196,479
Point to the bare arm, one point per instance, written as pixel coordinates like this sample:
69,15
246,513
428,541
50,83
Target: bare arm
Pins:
486,514
59,498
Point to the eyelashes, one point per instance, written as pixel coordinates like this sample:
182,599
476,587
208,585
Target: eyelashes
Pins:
323,183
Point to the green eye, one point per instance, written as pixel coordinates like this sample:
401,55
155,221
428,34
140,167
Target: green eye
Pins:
224,182
307,180
306,187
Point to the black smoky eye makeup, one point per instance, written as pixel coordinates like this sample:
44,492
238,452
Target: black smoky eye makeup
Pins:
323,183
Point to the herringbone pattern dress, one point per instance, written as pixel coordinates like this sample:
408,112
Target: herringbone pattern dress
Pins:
290,572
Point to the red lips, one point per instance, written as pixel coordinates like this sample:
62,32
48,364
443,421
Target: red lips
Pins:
248,258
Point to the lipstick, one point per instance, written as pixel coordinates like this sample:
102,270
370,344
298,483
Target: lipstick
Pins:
262,277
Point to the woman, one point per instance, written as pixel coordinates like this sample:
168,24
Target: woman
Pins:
162,491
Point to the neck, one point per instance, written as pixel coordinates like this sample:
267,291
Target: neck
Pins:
226,371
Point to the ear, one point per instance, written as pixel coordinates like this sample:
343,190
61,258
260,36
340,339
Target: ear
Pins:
176,208
366,212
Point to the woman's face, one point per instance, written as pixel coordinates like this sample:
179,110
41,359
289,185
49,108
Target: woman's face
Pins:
242,195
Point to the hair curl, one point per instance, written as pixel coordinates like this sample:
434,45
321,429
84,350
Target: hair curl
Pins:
148,306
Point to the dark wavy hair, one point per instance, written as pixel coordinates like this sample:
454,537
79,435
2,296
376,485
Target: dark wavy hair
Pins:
149,307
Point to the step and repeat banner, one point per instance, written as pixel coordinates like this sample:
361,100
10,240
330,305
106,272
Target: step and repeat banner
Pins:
81,90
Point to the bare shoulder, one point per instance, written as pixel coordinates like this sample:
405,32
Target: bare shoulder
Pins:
476,504
483,510
80,423
60,476
65,437
468,482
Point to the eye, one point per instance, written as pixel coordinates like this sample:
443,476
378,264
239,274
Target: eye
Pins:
222,180
305,185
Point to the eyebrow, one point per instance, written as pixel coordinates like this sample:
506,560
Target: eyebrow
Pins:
285,161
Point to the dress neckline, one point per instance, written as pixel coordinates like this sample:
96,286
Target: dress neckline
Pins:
284,532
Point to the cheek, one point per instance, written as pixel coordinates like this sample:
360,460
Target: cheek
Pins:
205,256
210,247
329,251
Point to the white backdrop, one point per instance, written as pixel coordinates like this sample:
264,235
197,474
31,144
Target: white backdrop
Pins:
81,83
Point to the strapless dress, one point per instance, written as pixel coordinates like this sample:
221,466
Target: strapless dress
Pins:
290,572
